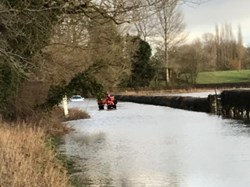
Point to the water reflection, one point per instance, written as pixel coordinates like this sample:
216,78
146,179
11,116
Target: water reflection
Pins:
143,145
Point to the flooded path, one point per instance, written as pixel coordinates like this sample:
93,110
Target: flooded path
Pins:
151,146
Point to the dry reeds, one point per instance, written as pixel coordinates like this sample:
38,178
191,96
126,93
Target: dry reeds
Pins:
52,123
75,114
26,160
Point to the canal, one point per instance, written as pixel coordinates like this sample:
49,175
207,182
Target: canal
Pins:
152,146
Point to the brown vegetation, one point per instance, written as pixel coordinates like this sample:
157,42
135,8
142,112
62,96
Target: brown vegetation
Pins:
75,114
26,160
26,157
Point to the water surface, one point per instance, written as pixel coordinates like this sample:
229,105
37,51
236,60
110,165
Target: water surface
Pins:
152,146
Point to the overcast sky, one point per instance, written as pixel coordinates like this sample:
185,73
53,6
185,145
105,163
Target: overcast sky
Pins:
202,18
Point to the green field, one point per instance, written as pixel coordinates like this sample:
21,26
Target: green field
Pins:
223,77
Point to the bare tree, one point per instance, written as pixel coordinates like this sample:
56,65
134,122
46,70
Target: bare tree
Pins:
240,48
188,61
170,29
145,25
26,28
67,52
229,50
209,50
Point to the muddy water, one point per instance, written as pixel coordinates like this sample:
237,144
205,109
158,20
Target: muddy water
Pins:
151,146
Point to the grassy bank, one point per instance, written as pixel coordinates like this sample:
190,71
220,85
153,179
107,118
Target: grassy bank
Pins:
26,157
223,77
26,160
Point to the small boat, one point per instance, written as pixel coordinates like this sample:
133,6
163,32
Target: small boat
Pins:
110,103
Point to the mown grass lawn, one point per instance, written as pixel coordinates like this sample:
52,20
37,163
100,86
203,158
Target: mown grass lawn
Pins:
223,77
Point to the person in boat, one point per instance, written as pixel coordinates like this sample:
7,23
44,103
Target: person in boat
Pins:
109,99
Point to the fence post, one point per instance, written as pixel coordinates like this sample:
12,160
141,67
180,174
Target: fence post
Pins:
65,106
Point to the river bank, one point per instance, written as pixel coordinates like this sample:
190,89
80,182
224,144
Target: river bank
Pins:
229,103
188,103
27,158
29,153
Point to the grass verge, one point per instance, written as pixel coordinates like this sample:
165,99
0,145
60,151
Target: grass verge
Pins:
28,159
223,77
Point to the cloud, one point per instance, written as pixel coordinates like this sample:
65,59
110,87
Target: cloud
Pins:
202,18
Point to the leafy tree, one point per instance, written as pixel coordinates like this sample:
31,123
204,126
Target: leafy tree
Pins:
8,79
157,62
83,83
142,71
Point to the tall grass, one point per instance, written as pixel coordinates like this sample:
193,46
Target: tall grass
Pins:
26,160
26,157
52,124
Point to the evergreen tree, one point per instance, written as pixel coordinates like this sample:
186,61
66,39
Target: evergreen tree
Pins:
141,72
